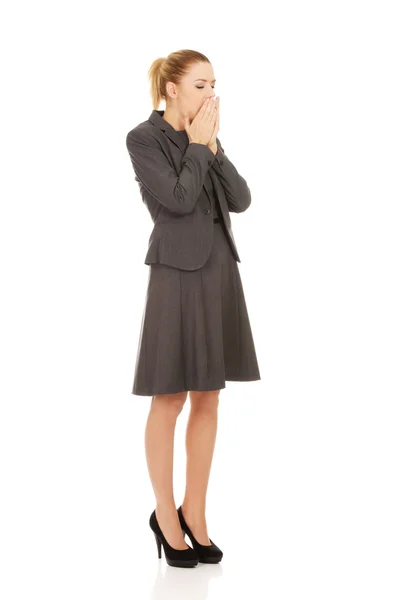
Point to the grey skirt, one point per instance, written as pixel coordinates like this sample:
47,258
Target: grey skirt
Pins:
195,331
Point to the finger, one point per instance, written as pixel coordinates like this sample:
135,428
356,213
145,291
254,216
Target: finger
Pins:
214,136
203,108
207,104
217,105
215,111
207,111
212,111
215,130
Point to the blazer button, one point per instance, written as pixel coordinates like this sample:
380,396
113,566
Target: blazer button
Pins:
207,211
222,162
209,162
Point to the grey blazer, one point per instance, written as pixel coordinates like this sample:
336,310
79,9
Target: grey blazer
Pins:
171,181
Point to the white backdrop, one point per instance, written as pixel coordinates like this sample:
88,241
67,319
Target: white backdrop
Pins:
304,487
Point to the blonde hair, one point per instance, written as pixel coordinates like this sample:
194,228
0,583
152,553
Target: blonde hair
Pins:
171,68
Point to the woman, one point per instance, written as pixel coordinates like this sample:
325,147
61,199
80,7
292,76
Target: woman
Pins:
195,333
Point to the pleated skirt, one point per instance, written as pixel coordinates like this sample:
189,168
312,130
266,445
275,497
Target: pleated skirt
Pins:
195,331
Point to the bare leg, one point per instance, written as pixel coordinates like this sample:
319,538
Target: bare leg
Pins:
159,443
200,442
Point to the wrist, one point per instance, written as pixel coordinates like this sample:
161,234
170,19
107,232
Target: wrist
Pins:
213,147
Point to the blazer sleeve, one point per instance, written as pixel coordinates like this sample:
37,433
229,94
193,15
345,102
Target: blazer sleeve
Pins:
177,193
237,191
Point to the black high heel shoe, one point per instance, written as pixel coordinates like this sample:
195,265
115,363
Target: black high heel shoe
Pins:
174,557
206,554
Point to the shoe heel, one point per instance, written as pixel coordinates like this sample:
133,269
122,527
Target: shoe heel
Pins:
174,557
158,544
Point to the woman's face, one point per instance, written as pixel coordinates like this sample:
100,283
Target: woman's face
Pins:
195,87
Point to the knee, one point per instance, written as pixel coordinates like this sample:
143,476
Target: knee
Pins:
204,401
171,403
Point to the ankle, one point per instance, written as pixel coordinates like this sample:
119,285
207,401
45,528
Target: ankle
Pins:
167,509
194,514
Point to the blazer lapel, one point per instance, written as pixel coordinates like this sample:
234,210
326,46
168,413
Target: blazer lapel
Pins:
163,125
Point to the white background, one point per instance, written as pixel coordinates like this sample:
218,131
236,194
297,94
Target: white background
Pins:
304,488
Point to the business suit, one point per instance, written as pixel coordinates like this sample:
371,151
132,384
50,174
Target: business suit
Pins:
180,207
195,332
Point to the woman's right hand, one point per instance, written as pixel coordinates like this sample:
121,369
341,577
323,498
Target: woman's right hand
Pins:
201,129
